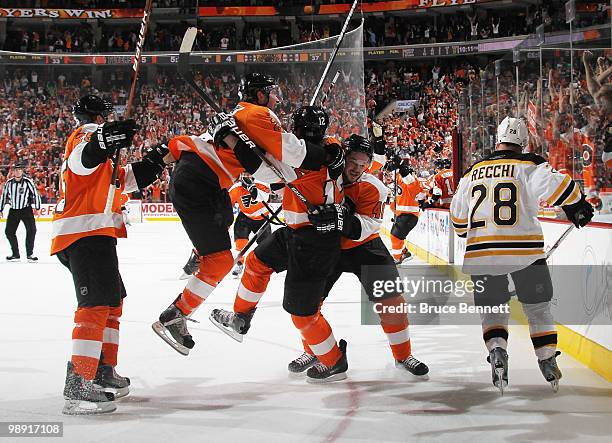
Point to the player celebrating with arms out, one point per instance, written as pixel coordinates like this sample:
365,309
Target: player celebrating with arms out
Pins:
495,208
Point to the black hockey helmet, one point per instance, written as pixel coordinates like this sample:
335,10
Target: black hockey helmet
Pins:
254,82
310,122
358,143
442,163
89,106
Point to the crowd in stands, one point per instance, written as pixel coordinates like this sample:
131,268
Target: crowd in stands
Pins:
569,120
476,24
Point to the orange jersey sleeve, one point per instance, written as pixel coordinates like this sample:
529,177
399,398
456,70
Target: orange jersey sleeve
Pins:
263,127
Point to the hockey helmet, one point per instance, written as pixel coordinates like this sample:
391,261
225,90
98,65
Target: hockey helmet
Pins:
512,130
89,106
442,163
311,122
357,143
253,83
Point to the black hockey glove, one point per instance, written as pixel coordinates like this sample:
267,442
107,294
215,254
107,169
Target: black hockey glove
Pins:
113,136
156,154
329,218
248,184
579,213
219,126
108,139
378,145
334,160
405,169
393,163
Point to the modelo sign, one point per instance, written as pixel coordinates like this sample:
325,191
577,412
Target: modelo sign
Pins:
158,210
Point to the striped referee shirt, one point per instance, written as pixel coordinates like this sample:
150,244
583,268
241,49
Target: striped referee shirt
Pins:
20,194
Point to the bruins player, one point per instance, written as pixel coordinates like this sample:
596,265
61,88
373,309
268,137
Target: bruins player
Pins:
84,240
495,208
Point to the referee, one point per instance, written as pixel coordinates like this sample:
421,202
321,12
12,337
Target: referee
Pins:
20,193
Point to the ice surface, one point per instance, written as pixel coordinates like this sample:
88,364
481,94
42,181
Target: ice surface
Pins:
227,391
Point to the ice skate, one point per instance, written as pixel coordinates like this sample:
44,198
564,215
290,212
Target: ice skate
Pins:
173,321
498,358
191,266
236,325
320,373
108,380
406,255
414,366
237,270
83,397
302,363
551,371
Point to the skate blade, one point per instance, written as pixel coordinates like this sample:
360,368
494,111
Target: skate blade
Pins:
82,407
159,329
500,384
117,392
335,377
235,335
555,386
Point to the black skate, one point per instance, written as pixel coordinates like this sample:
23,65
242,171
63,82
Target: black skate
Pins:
551,371
191,266
303,362
83,397
320,373
406,255
498,358
236,325
237,270
13,257
172,320
414,366
108,380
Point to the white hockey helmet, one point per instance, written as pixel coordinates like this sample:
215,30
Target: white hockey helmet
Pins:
512,130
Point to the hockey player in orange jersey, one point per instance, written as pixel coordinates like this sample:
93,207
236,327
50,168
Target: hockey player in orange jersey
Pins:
250,197
308,248
207,166
411,195
443,186
84,240
361,247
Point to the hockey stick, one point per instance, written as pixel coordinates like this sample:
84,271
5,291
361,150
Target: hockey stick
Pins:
330,88
334,53
559,241
114,184
184,69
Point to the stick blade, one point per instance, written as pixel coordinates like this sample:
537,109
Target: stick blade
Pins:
188,39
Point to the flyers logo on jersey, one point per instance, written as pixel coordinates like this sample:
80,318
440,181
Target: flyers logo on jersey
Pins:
587,155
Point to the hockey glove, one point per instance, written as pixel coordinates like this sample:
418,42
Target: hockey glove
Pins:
393,163
378,145
109,138
334,160
113,136
329,218
248,184
155,155
579,213
219,126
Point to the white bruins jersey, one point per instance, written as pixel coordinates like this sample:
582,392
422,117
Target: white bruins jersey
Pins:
496,209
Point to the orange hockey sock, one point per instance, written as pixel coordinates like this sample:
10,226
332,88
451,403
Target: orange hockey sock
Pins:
318,335
87,335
